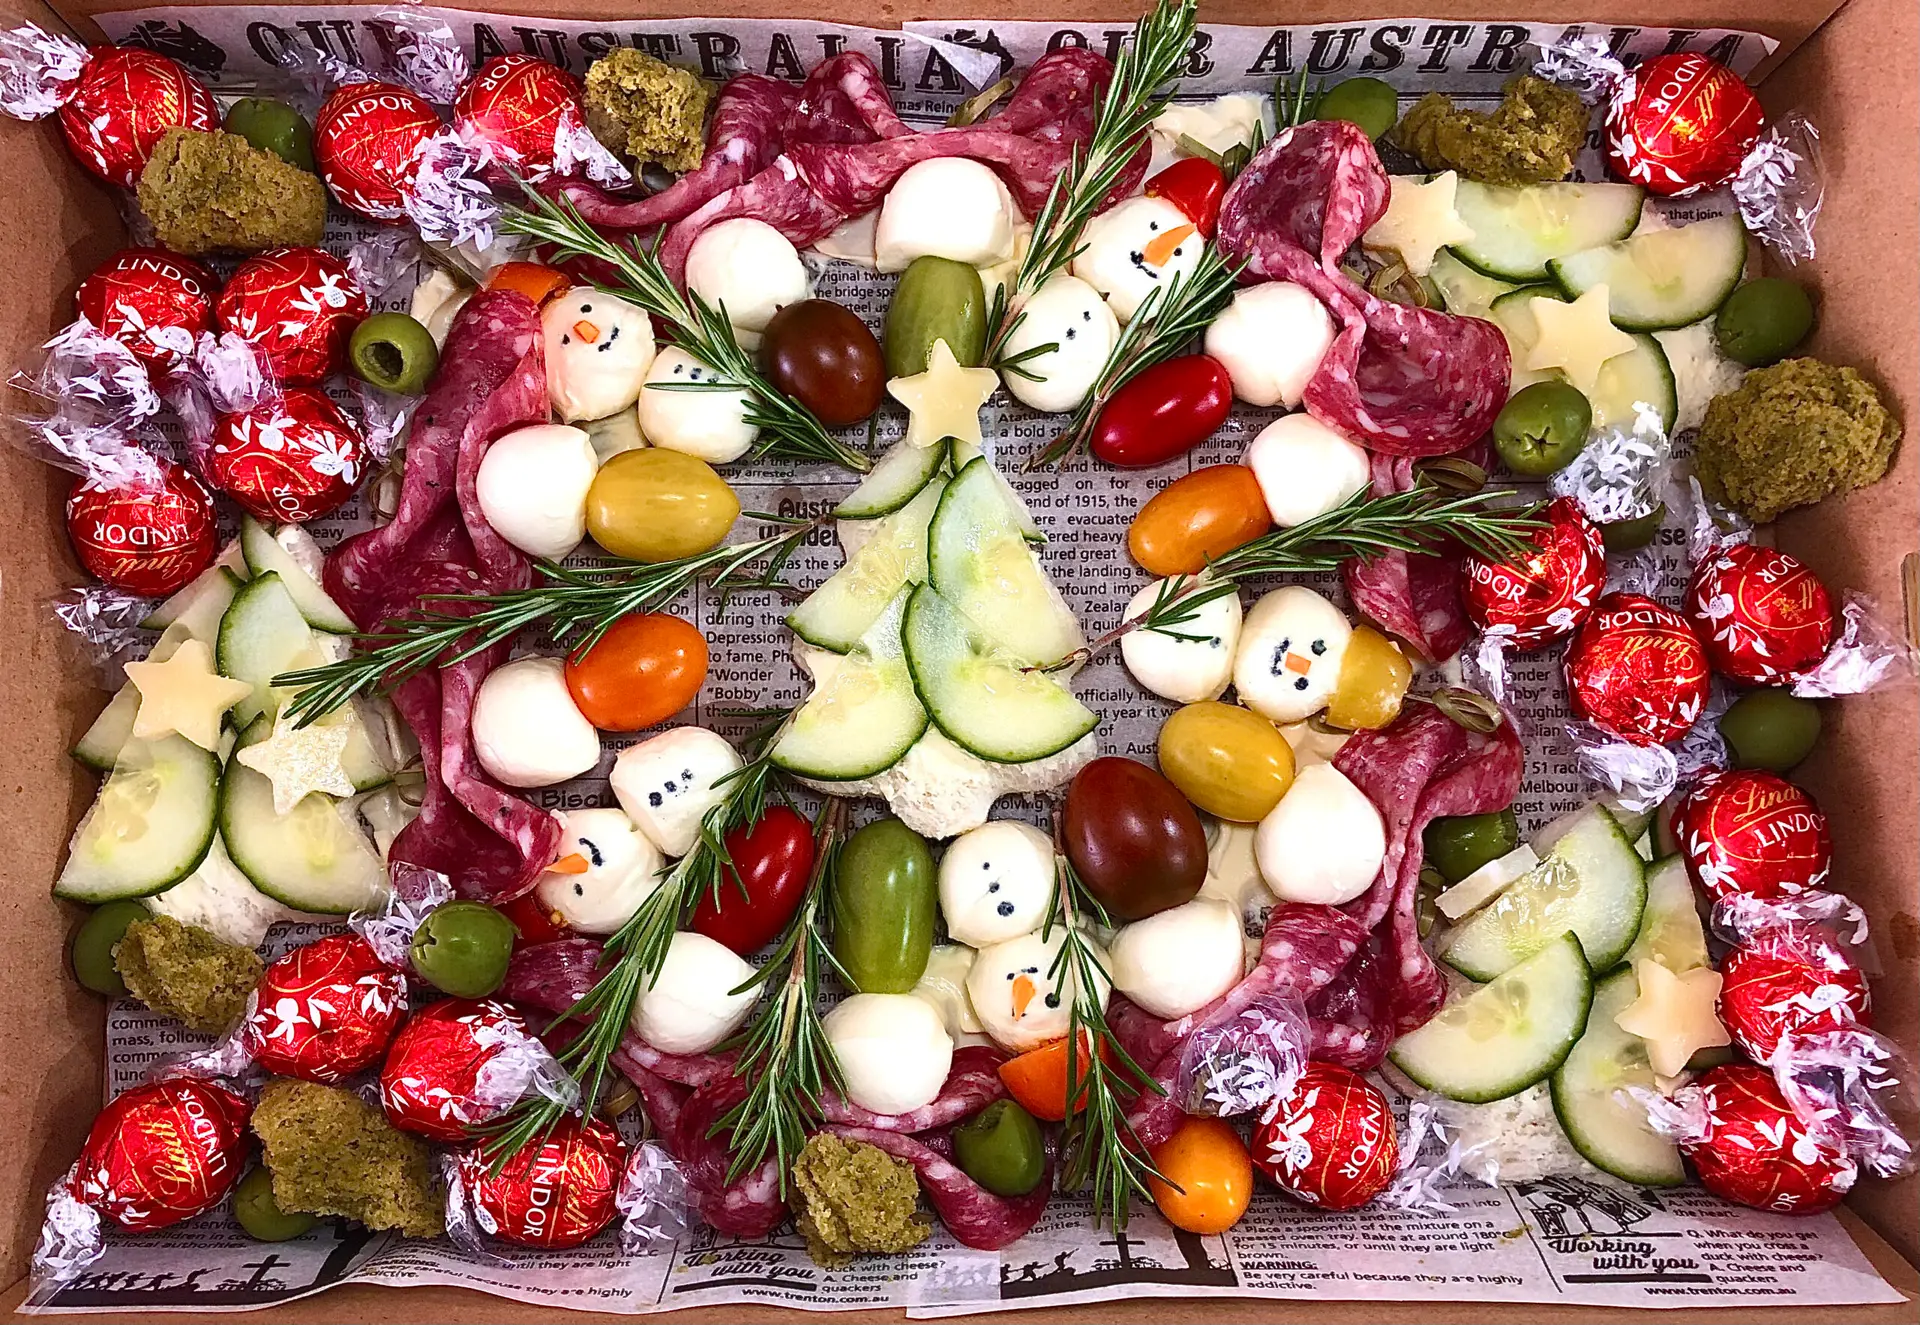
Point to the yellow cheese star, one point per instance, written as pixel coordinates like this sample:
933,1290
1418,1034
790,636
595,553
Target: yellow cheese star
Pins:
1675,1015
301,760
1420,220
185,695
1577,338
945,400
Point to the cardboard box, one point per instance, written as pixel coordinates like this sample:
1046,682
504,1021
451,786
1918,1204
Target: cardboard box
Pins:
1851,66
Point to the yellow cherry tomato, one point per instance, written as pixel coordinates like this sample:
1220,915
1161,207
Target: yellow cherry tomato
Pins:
1229,761
659,505
1197,518
1373,681
1208,1164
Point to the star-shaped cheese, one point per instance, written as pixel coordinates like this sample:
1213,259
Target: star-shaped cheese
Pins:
945,400
1577,338
1420,220
185,695
1674,1014
301,760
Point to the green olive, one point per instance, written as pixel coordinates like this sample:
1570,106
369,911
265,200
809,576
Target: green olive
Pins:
1762,321
1632,535
1770,729
1459,844
1542,428
1367,102
883,906
1001,1149
394,353
91,950
273,126
260,1215
462,949
937,299
1426,898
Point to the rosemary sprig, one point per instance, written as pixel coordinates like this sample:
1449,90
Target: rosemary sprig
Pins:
1295,98
788,431
784,1055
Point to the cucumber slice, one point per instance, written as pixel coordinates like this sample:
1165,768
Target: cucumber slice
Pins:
291,553
1612,1132
149,827
1591,882
882,556
199,606
1670,928
1663,278
1626,380
99,746
1517,230
1505,1036
234,559
863,713
313,859
980,696
262,635
1463,290
979,559
895,479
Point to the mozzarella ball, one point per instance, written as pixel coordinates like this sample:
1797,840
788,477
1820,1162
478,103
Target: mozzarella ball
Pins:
709,424
1180,960
1069,314
1271,339
995,882
527,731
692,1006
666,784
532,486
598,349
1016,997
607,867
1183,670
752,269
1290,653
1305,468
1323,842
894,1052
949,207
1135,248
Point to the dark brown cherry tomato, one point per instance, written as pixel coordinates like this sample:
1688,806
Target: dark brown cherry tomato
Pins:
774,860
1165,412
1133,838
822,355
1195,185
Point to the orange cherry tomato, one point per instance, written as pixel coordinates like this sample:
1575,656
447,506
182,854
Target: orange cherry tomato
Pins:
1197,518
536,281
641,672
1207,1176
1037,1079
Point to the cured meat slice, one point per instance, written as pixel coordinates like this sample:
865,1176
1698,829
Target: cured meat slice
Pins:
844,100
973,1082
777,195
854,178
1058,99
1409,594
974,1215
750,1206
1304,199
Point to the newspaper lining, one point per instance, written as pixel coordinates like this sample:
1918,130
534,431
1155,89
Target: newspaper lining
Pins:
1579,1239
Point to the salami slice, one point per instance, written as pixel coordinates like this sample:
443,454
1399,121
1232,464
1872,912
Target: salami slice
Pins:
1411,595
777,195
854,178
844,100
1058,99
973,1082
974,1215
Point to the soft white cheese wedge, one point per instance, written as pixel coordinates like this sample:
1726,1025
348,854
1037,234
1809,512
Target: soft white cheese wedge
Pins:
710,424
667,783
218,898
894,1051
607,867
1016,998
1180,960
598,349
1271,339
532,485
527,731
1290,653
1185,670
944,986
1305,468
996,881
691,1007
949,207
752,269
1323,842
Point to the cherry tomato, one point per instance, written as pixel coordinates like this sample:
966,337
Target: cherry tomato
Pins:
1208,1176
773,861
1195,185
535,280
1196,518
533,923
1229,761
1037,1079
1374,677
822,355
1165,412
1133,838
644,670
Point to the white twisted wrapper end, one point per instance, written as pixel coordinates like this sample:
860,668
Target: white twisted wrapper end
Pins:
1583,62
522,1066
229,1059
1639,776
1781,187
577,151
1710,525
106,621
652,1201
71,1239
1868,655
1483,665
1621,472
38,71
1430,1157
466,1220
416,893
1852,1083
379,261
1684,1117
450,202
1248,1065
1739,919
92,395
427,56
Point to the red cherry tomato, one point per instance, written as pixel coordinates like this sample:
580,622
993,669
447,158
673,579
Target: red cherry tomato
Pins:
1195,185
774,859
644,670
533,922
1165,412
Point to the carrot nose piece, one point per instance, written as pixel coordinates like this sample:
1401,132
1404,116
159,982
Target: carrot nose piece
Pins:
1159,249
1298,664
1023,992
571,863
586,331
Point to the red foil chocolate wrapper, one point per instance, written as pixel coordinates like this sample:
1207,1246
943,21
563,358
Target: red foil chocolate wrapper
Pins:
557,1192
125,102
1762,614
1789,981
325,1011
292,459
163,1152
436,1081
149,533
1753,1149
1680,124
298,307
154,302
518,106
1637,671
367,141
1753,833
1332,1143
1549,591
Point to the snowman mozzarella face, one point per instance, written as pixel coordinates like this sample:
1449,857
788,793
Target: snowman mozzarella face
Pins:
1016,998
1135,248
666,784
1070,315
995,882
1290,654
1184,670
1271,339
709,424
607,867
598,350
